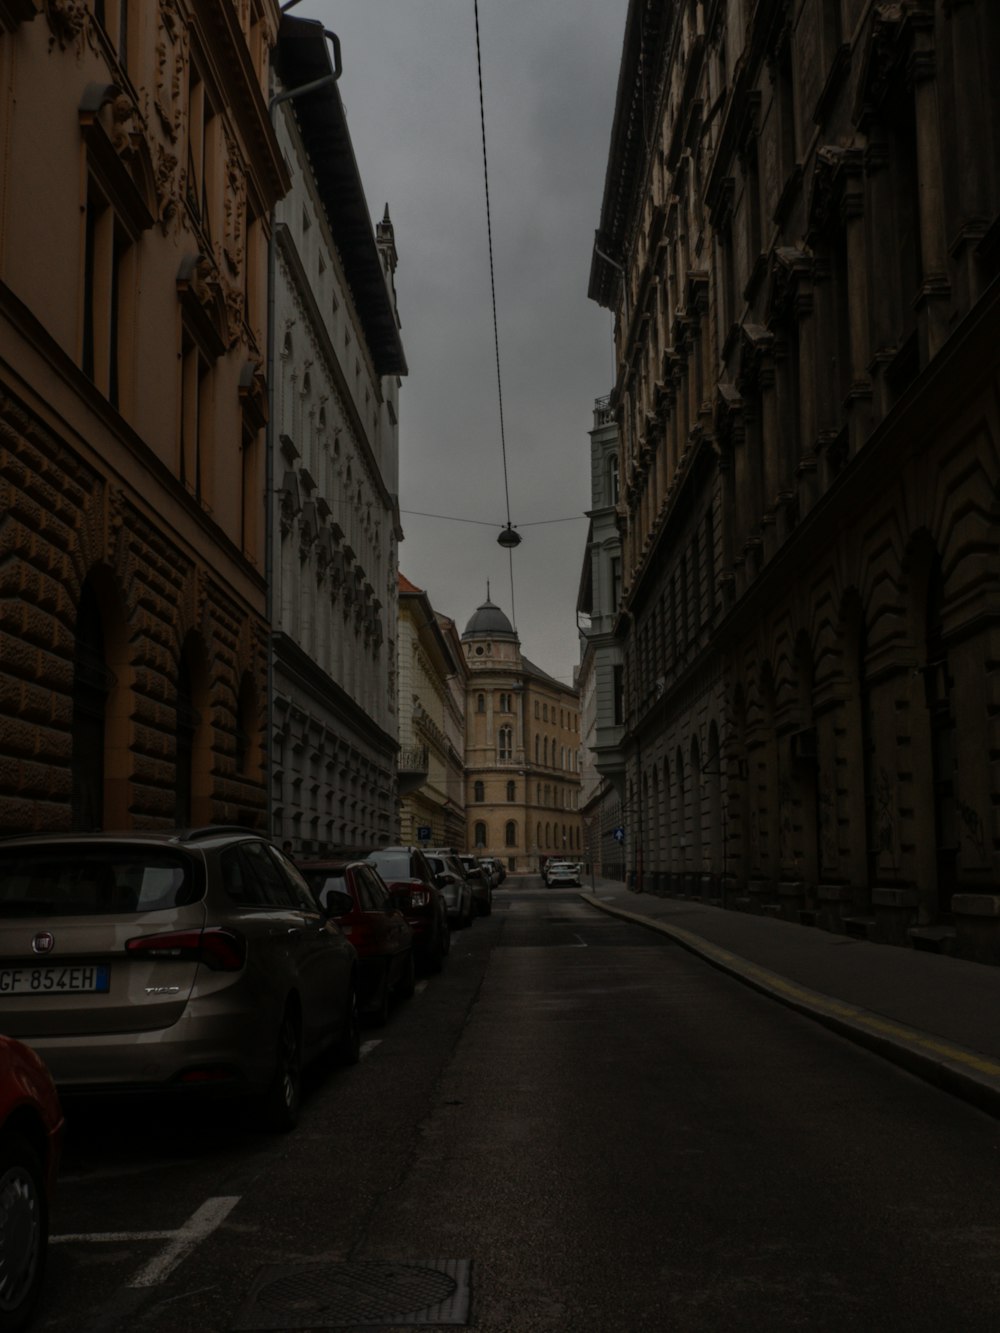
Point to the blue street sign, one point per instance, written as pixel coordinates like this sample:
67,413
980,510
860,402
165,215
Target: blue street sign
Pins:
619,833
424,833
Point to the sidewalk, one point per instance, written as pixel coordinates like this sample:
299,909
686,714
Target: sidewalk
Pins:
938,1017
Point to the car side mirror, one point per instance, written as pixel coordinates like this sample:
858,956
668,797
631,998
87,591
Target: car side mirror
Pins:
337,903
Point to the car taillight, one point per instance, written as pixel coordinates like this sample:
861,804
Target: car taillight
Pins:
221,950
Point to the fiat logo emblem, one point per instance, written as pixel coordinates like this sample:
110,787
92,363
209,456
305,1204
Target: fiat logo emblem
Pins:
43,942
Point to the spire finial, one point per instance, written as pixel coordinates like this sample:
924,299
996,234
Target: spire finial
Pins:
487,590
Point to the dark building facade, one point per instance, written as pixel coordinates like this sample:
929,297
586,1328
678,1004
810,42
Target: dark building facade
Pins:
800,240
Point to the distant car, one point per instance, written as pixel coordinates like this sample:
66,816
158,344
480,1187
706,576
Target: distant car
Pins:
355,896
453,882
192,962
495,867
31,1128
562,872
482,889
410,880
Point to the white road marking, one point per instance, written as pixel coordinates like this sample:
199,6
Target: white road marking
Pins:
581,945
420,987
201,1224
368,1046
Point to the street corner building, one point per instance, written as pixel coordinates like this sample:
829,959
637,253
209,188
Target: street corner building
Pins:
522,749
800,242
139,174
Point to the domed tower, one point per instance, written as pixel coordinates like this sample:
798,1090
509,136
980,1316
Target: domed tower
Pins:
490,639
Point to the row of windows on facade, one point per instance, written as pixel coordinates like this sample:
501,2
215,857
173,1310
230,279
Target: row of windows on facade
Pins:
543,794
680,612
505,704
547,836
568,759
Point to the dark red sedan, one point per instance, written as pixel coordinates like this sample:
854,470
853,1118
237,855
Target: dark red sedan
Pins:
357,899
411,883
31,1127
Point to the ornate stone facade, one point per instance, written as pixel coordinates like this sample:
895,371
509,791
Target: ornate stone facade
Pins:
800,237
522,750
139,169
432,680
334,459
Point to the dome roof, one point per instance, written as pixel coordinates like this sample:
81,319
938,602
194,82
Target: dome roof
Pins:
488,620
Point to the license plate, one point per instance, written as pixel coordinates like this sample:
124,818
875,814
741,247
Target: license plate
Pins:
54,980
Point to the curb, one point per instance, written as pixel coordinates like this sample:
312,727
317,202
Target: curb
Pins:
959,1070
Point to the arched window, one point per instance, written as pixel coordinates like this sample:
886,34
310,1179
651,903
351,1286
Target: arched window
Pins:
511,791
480,834
510,833
480,703
479,792
505,743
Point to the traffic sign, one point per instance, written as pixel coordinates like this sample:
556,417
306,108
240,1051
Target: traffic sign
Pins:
424,832
619,833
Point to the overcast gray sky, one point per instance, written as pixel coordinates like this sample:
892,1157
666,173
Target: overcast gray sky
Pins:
550,70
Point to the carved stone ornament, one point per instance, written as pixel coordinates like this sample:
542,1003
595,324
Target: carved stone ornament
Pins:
68,21
172,50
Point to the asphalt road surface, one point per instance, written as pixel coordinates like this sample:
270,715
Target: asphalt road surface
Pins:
577,1128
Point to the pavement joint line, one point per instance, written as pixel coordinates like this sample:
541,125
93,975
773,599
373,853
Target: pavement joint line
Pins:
847,1017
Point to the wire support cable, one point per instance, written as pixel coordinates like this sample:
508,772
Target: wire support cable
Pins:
493,292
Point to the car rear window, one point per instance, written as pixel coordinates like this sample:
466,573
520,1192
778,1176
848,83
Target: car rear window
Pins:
90,881
391,865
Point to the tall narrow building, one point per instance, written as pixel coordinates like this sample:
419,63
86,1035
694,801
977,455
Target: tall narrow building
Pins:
334,528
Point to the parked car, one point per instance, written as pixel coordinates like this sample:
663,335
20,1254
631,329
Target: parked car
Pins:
498,867
410,880
482,889
194,962
453,882
562,872
31,1128
355,896
494,870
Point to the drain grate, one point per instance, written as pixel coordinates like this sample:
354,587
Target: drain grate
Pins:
362,1293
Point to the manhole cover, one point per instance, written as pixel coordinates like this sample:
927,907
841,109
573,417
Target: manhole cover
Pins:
361,1293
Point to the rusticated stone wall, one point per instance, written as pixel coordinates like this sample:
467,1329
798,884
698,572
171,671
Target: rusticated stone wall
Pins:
60,520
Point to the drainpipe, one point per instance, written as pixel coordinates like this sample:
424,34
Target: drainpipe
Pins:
269,493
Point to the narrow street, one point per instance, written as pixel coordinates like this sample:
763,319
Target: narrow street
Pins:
603,1132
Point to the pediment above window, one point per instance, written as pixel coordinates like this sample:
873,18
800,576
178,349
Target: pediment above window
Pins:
118,154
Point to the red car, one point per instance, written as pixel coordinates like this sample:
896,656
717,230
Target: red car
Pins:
411,882
31,1126
357,899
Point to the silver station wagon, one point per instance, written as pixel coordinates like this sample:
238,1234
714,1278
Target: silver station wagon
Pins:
195,962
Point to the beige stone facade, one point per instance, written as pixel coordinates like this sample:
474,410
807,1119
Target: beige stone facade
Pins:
139,169
432,681
803,264
522,750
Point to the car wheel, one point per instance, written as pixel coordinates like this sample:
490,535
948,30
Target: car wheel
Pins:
23,1231
408,977
348,1048
280,1106
379,1012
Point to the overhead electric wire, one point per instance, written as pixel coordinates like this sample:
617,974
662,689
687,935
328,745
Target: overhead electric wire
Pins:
493,294
484,523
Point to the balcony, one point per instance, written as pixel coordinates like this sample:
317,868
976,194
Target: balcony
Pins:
411,768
